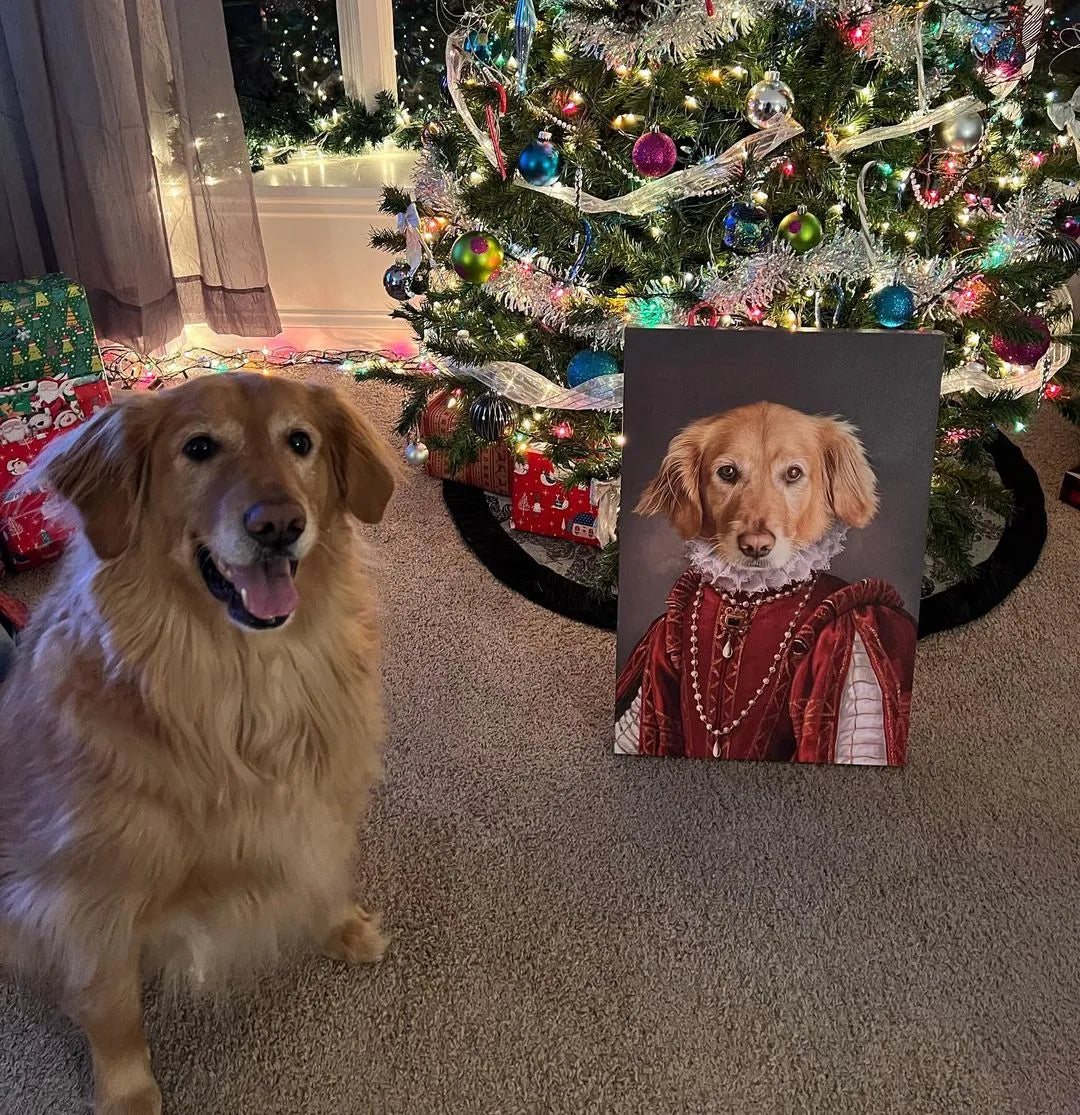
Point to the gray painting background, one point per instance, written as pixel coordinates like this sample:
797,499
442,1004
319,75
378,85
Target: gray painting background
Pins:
886,383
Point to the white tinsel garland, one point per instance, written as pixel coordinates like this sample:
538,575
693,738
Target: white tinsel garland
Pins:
680,29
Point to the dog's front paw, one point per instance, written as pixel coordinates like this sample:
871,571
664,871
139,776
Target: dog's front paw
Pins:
358,939
145,1101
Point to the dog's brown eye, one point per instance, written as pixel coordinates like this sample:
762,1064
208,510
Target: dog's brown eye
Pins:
794,473
200,448
300,443
727,473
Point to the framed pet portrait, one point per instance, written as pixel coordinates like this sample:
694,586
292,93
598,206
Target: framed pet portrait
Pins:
775,494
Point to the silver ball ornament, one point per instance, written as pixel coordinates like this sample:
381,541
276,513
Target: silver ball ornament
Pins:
396,282
417,453
769,99
962,134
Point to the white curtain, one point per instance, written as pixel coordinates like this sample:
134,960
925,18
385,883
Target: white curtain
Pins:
124,165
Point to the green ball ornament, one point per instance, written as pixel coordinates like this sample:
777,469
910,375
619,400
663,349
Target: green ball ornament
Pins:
801,230
476,256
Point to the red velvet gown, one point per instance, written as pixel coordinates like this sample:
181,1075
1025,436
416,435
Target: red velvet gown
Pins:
796,715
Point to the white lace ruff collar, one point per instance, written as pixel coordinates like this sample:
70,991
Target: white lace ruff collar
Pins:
812,558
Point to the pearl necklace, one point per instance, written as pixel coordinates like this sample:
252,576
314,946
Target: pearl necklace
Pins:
718,733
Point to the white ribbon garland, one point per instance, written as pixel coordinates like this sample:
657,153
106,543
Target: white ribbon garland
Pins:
1065,116
840,149
605,496
692,182
520,384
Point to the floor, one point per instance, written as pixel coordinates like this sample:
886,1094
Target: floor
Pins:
579,933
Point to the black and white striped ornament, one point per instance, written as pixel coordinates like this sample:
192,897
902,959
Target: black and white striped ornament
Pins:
491,417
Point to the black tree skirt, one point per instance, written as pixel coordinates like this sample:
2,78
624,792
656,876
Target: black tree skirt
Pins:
1013,557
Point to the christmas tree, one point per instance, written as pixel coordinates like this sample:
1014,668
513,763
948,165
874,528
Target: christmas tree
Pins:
731,163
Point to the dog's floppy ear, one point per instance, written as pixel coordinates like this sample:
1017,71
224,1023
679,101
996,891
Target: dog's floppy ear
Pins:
102,470
675,490
851,482
364,468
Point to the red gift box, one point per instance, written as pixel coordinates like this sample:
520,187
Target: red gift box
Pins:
32,414
31,533
539,504
490,471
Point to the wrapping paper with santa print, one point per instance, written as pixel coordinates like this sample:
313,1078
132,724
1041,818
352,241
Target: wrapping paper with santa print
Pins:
35,412
540,504
490,471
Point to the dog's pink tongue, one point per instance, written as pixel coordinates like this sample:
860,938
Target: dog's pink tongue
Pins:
267,588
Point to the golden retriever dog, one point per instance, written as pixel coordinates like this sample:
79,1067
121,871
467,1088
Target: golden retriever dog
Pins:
762,481
762,653
193,719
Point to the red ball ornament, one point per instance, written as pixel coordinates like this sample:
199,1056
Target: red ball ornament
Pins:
654,155
1027,353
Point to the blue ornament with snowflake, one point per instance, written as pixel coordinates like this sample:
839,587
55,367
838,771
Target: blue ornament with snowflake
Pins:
588,364
894,305
746,228
483,45
984,36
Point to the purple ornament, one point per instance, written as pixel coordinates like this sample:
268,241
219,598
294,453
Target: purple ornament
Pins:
1071,227
654,155
1027,353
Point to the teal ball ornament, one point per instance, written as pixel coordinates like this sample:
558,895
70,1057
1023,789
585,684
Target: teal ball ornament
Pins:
588,364
491,417
539,161
483,45
476,256
894,305
746,228
802,231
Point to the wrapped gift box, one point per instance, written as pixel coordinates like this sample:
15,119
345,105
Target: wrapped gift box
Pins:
540,504
1070,487
51,379
45,332
491,471
31,532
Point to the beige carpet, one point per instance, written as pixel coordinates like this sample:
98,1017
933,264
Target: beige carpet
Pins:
578,933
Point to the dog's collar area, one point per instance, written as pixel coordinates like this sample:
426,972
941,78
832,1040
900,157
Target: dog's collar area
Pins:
221,588
815,557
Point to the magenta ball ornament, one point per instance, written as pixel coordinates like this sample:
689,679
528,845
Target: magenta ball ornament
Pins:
1028,352
654,155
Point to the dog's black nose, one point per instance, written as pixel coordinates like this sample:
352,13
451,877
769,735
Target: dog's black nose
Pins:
757,543
276,525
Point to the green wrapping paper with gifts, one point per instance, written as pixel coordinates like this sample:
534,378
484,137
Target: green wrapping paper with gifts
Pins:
46,332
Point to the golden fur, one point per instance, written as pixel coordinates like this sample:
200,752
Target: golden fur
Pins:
762,480
175,789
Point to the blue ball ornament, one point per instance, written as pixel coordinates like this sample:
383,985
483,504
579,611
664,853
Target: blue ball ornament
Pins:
985,36
894,305
746,228
539,161
588,364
